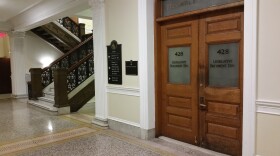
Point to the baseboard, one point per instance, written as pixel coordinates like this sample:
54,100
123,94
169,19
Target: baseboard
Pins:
268,107
129,128
5,96
19,96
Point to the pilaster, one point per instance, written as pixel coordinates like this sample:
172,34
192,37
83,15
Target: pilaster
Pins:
146,61
19,86
100,65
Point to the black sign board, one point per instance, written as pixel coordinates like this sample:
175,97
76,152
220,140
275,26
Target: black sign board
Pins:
131,67
114,53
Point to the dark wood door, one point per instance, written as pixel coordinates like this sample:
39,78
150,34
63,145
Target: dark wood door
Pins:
221,75
179,66
200,61
5,79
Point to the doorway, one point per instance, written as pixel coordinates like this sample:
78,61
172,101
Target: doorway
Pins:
199,68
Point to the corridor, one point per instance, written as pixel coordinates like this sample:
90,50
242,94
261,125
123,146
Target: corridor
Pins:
27,130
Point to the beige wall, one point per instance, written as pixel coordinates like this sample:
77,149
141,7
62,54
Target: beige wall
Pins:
124,107
268,50
122,26
268,135
4,47
268,76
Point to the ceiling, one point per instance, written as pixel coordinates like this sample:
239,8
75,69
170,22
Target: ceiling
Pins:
23,15
11,8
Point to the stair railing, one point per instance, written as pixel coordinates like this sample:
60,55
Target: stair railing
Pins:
66,80
75,28
68,60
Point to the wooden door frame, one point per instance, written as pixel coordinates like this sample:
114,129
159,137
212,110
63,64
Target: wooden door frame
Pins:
249,79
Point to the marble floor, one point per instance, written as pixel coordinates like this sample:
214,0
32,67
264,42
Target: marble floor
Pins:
26,130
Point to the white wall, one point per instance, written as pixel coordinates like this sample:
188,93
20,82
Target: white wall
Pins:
122,26
268,76
36,50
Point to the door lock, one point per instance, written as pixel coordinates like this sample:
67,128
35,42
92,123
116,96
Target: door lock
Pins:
202,104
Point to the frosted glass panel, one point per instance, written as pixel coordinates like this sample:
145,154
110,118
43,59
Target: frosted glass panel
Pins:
224,65
172,7
179,65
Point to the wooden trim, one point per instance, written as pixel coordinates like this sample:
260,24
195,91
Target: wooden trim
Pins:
76,65
197,12
157,71
68,53
60,86
82,97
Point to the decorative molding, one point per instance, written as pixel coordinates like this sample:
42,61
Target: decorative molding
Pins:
249,79
98,120
17,34
268,107
124,121
95,2
123,90
4,26
45,12
146,61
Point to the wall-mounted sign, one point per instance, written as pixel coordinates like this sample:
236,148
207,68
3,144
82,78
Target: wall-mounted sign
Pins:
179,65
114,54
224,65
131,67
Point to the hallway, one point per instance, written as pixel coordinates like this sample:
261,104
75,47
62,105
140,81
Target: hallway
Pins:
30,131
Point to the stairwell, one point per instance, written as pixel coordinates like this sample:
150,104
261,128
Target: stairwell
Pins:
67,84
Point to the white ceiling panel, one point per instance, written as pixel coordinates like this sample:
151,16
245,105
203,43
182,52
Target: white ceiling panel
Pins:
11,8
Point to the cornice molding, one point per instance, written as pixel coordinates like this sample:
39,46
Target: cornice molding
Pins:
96,2
45,12
4,26
17,34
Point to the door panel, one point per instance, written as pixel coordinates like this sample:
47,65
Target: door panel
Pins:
221,116
179,56
5,78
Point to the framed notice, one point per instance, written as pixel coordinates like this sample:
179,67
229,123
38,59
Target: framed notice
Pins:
114,56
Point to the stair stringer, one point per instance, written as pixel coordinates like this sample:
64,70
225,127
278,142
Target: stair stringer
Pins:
82,94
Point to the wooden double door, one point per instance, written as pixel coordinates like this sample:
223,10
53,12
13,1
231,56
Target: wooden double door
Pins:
200,80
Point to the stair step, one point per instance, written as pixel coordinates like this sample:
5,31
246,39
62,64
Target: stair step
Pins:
45,99
51,90
49,95
43,104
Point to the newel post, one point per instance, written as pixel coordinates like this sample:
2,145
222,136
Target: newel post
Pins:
36,83
82,30
60,88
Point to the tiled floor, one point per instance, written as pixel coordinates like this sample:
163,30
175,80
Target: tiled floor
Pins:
26,130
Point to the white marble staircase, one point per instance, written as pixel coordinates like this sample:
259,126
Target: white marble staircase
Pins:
46,101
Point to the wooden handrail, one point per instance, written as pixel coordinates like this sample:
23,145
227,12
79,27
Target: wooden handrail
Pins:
68,53
76,65
72,21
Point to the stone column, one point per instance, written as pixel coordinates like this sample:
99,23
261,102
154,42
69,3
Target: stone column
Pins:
100,64
18,64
